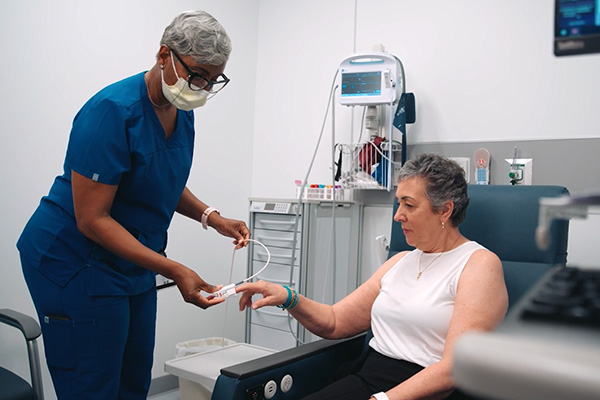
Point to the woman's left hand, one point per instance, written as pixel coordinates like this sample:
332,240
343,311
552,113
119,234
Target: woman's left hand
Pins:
230,227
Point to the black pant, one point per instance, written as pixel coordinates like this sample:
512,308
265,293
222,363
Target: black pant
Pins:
373,373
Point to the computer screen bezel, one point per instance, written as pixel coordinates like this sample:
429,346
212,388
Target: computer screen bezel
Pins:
586,42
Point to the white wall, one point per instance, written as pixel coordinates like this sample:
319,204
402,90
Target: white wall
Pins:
59,53
480,71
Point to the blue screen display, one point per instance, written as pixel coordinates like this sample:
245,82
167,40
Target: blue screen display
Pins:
361,84
576,27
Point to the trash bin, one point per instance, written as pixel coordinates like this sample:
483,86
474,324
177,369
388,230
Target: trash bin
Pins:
189,389
201,345
198,371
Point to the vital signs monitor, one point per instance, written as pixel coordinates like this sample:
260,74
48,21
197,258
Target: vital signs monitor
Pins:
370,79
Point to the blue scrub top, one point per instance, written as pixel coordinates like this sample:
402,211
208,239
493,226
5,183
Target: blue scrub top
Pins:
116,139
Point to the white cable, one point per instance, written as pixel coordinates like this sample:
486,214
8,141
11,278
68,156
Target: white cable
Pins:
264,266
229,290
299,203
362,124
332,240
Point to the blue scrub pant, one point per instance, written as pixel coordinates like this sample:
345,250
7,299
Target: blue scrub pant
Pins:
97,347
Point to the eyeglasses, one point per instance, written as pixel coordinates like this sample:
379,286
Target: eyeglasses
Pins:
198,82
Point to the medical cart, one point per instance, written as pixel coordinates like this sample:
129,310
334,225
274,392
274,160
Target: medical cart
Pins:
303,238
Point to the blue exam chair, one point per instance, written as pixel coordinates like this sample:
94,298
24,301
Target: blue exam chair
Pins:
502,218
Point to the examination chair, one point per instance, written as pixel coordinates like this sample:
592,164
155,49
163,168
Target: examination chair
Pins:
12,386
502,218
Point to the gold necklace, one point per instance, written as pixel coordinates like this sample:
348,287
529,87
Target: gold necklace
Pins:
421,270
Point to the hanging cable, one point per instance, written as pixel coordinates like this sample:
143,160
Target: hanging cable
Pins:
301,193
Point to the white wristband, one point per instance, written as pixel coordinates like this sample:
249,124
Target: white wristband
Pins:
380,396
205,214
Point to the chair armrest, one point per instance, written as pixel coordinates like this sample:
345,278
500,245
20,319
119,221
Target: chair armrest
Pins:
29,326
31,331
310,366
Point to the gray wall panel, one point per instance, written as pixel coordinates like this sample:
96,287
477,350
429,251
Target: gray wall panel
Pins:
573,163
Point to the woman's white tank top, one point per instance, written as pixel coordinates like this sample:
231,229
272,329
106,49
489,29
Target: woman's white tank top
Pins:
410,317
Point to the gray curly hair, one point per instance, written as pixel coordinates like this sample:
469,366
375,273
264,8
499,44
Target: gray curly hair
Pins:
445,181
199,35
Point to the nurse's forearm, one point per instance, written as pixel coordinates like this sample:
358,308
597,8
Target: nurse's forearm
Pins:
190,206
92,202
112,236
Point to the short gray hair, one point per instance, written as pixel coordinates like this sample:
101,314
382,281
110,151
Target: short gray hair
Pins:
199,35
445,181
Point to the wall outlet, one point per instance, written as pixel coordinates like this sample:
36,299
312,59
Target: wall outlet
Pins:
518,171
465,163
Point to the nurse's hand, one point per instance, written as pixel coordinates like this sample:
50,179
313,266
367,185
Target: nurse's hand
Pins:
273,294
231,228
191,285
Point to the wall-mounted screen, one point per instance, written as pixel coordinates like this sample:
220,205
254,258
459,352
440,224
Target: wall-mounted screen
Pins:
576,27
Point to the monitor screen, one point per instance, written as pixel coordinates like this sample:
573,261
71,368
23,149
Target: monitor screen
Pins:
576,27
361,84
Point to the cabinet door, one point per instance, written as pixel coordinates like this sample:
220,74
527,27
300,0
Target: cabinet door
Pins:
331,270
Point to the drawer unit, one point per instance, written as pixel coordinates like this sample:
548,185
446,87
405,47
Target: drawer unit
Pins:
278,255
277,273
270,338
274,318
276,238
308,242
275,222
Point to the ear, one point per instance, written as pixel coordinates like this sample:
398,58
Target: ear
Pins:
446,212
163,55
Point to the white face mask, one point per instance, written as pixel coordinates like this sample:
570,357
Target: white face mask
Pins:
180,94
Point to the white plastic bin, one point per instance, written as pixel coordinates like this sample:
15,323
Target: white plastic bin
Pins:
201,346
198,372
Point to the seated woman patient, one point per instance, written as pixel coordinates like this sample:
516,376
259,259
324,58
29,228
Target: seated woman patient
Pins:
417,303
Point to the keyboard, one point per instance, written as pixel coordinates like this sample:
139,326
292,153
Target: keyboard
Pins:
568,295
548,347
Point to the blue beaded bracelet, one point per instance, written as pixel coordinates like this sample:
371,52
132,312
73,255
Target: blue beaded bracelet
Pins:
288,302
296,298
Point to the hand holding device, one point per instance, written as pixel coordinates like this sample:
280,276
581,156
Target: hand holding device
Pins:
229,290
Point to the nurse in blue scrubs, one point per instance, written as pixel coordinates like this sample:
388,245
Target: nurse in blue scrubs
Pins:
92,249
